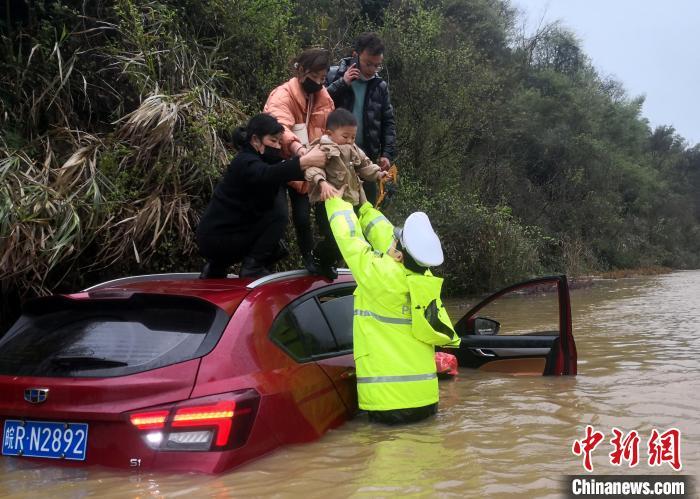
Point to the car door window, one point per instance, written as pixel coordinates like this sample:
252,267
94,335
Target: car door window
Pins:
314,328
527,311
317,326
338,311
302,331
289,337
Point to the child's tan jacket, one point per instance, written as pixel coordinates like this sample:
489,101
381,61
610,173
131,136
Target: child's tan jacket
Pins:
345,163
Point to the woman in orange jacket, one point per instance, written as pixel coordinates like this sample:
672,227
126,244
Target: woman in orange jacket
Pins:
302,105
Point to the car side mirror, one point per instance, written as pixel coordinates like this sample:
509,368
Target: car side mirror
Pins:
485,326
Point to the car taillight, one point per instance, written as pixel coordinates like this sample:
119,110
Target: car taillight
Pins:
219,415
209,423
149,420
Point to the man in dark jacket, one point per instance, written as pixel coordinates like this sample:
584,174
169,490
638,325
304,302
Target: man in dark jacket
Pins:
356,86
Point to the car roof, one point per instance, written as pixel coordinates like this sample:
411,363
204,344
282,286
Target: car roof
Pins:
226,293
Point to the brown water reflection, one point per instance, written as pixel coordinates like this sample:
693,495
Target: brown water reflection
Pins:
639,368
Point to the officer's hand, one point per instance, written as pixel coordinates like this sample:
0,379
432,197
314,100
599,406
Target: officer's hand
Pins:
315,157
352,74
384,163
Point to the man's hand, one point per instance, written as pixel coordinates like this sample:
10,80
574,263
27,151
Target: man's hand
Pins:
328,191
352,74
384,163
315,157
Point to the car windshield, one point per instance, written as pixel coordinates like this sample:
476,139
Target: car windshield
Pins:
60,337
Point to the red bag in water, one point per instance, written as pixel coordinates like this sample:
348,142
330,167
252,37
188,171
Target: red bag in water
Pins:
446,364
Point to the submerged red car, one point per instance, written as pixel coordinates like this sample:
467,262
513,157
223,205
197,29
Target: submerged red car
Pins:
169,372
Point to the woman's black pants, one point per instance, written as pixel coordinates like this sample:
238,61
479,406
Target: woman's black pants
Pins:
301,216
326,250
259,240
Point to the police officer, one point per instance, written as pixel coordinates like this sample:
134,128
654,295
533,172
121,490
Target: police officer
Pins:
398,314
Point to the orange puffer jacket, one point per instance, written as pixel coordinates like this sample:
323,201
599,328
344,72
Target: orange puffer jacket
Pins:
288,103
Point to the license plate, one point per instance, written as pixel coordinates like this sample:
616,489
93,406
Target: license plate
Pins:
45,439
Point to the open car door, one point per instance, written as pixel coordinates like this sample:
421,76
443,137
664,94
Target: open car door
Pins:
522,329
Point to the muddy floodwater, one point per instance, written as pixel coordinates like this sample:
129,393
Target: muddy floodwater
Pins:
496,435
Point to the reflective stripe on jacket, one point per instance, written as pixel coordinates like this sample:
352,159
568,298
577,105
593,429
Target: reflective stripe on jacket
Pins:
395,362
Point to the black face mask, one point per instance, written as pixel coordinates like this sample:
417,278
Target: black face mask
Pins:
271,155
310,86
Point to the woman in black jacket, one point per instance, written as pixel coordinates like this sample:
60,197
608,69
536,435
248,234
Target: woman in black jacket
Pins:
247,215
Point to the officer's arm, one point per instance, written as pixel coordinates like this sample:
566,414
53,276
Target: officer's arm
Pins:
356,251
376,227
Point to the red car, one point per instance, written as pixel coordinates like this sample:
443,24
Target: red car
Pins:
170,372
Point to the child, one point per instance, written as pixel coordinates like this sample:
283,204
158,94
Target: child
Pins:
346,165
345,160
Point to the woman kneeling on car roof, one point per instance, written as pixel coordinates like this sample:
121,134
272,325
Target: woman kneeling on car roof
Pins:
247,215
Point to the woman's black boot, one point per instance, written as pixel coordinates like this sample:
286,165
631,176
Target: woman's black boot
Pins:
213,270
250,267
311,264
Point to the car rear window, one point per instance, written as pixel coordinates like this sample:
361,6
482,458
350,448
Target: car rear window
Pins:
61,337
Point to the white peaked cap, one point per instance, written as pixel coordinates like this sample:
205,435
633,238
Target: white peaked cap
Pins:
420,240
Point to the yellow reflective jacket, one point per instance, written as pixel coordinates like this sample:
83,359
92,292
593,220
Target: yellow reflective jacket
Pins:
398,314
